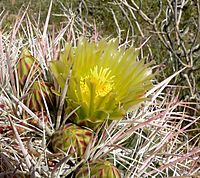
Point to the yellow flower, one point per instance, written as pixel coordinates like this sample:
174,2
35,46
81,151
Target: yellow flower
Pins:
102,81
105,81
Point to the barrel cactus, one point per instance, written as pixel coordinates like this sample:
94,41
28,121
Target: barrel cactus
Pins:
27,66
39,93
98,169
37,90
72,139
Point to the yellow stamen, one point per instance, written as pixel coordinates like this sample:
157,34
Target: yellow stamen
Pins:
101,79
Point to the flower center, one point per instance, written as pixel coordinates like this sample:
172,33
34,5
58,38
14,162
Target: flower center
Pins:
100,78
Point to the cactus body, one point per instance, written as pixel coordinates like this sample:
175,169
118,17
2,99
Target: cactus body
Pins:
26,64
98,169
71,138
39,92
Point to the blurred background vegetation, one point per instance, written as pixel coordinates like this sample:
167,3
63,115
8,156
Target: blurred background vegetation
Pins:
168,30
